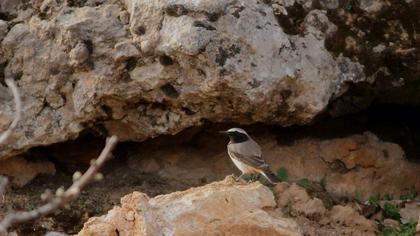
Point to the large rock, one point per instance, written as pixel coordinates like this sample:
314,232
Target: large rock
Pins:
315,219
141,68
229,208
22,171
359,165
224,207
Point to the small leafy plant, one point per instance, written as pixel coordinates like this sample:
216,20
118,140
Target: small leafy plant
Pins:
252,177
391,211
323,183
358,196
304,182
410,195
282,174
387,197
374,200
407,229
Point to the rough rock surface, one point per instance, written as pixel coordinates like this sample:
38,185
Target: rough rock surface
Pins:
410,212
229,208
140,68
22,171
354,165
224,207
300,200
315,219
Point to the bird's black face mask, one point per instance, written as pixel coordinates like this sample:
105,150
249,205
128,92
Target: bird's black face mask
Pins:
237,137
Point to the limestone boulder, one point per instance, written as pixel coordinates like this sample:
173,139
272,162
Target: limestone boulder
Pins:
224,207
359,165
141,68
315,219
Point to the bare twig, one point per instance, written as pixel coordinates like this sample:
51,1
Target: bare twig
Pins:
3,183
18,110
62,197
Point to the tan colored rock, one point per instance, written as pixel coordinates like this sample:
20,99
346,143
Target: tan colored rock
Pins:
79,54
350,151
365,157
126,50
22,171
382,166
338,148
293,194
307,158
99,228
167,66
418,224
315,219
298,199
410,211
345,215
391,223
312,209
224,207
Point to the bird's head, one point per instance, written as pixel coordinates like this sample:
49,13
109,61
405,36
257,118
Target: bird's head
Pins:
236,135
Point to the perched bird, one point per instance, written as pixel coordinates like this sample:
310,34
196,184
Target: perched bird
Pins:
246,154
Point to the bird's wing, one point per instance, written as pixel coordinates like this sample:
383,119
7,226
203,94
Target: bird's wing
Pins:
248,152
248,148
251,160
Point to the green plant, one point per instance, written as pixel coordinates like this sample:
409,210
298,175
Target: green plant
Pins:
282,174
304,182
323,183
408,229
410,195
374,200
386,231
263,180
391,211
252,177
387,197
358,196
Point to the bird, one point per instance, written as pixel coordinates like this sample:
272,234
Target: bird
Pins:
246,155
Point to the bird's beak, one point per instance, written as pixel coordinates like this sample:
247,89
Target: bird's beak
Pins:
223,132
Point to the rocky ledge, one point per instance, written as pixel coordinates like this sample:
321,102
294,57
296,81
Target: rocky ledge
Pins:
229,208
140,69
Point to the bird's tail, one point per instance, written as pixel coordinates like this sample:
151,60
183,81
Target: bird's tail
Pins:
270,176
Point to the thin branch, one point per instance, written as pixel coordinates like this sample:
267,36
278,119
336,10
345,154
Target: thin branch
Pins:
3,184
18,110
62,197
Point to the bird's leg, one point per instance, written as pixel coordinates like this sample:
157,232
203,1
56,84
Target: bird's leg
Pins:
239,177
234,177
